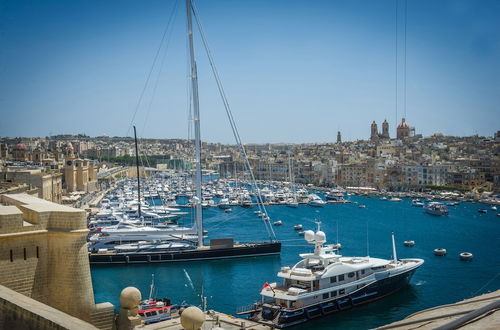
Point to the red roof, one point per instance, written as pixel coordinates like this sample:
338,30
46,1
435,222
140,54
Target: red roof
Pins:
20,146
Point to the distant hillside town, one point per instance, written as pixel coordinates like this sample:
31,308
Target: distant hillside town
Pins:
60,168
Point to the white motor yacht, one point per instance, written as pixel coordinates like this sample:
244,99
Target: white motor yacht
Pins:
324,283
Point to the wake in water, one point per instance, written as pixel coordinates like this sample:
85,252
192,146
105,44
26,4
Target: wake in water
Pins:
421,282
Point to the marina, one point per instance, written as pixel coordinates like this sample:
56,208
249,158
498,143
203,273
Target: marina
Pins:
131,199
245,277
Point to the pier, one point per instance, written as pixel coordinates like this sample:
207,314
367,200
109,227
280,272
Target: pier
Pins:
481,312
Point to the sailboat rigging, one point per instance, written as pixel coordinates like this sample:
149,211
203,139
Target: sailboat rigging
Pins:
218,248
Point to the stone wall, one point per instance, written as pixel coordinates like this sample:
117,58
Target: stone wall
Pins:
19,312
44,256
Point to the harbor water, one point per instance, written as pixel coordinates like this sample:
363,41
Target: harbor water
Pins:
229,284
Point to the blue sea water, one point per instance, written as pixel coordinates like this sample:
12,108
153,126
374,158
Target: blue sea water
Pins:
229,284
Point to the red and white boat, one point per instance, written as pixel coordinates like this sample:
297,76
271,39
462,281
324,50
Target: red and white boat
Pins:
154,310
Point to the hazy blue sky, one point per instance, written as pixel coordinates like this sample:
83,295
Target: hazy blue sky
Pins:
294,71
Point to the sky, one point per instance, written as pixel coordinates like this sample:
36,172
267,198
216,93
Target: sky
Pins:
294,71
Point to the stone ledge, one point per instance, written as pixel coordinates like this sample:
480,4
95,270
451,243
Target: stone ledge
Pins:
26,312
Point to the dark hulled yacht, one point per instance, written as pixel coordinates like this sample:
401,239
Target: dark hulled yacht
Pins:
324,282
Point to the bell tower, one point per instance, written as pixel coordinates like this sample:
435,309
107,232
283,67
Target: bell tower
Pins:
374,132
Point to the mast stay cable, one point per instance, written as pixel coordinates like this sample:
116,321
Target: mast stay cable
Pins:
232,122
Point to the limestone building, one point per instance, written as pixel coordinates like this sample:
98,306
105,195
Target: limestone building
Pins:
385,130
403,130
20,152
44,256
48,184
375,135
374,132
79,174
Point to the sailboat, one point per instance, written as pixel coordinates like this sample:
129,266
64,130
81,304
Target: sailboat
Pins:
293,202
222,248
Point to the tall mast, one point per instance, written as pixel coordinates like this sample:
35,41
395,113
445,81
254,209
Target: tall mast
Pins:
290,172
137,168
196,119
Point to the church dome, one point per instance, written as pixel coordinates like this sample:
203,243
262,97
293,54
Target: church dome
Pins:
20,146
403,124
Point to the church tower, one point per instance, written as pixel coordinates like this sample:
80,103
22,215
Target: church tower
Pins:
339,137
70,169
385,130
374,132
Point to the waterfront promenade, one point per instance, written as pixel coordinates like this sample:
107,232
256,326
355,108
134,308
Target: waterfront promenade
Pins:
481,312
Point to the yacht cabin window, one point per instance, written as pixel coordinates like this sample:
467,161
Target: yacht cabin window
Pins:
341,277
333,279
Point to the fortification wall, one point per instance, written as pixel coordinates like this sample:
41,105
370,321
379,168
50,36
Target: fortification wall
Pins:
44,256
19,312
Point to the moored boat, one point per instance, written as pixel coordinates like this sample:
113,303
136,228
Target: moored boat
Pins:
435,208
417,203
324,283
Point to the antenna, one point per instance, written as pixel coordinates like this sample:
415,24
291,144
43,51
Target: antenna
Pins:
138,176
337,220
152,287
394,254
367,240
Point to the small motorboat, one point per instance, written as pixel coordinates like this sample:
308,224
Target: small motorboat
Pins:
435,208
494,208
154,310
297,227
409,243
278,223
229,210
362,206
417,203
482,211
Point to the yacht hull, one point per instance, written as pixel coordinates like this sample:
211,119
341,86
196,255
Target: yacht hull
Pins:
372,292
238,251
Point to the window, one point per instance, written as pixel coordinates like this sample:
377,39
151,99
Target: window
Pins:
24,253
350,275
341,277
325,295
333,294
11,256
362,272
341,291
37,252
333,279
